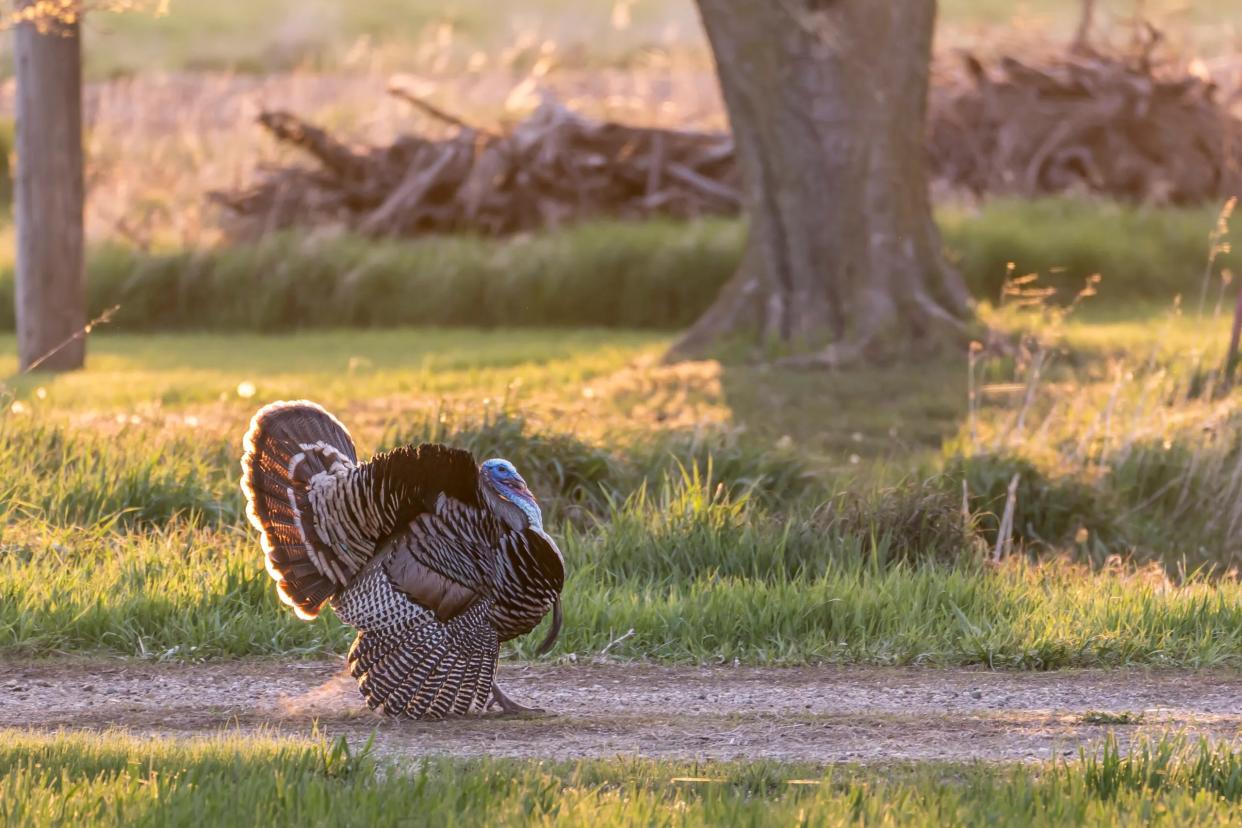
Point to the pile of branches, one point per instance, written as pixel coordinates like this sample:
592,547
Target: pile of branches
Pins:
1118,127
553,167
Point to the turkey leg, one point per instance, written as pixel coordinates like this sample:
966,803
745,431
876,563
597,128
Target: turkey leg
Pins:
507,704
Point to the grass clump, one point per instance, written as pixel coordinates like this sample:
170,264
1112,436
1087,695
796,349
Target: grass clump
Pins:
115,779
577,479
1144,254
1153,767
74,477
1134,455
180,591
1132,467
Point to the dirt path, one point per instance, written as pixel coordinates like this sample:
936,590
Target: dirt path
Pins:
814,714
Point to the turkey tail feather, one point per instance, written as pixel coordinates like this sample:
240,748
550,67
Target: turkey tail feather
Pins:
286,446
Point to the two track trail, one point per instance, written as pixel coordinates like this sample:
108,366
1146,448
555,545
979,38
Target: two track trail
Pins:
808,714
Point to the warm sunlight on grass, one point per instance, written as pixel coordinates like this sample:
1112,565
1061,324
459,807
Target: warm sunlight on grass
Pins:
122,779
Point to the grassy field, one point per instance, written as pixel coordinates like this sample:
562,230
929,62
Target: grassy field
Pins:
113,779
771,593
721,511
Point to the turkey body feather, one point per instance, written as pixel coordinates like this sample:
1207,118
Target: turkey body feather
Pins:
433,559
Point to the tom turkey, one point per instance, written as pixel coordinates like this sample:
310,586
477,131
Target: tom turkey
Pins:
434,559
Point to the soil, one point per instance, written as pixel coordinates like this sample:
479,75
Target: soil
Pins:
819,714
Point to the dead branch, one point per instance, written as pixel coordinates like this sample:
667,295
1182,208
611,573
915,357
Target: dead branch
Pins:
1124,127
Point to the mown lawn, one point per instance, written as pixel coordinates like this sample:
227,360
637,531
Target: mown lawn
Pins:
114,779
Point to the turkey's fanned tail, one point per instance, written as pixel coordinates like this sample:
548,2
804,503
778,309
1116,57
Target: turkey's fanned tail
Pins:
287,445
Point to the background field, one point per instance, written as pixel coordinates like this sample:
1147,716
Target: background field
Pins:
276,34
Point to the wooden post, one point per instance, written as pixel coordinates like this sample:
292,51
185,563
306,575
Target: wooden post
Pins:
51,300
1231,358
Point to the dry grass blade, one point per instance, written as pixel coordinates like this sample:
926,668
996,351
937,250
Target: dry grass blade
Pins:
1004,536
102,319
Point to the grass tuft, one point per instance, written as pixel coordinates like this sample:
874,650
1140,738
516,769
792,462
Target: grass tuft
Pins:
116,779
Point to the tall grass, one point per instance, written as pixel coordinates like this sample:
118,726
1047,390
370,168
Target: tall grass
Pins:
1145,254
115,779
643,275
699,577
1135,454
130,478
652,274
576,478
141,476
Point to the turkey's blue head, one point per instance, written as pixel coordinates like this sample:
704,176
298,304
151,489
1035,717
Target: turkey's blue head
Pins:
503,481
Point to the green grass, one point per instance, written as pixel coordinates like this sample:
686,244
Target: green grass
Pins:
697,575
153,376
654,274
645,275
1144,255
707,506
115,779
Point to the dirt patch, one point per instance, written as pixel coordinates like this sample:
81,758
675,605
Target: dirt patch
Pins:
811,714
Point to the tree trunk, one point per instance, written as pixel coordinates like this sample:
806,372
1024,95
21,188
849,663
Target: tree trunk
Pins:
50,301
827,100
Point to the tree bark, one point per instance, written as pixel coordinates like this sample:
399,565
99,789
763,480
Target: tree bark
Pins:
50,301
827,100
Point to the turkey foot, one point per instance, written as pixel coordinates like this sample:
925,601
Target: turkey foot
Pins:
507,704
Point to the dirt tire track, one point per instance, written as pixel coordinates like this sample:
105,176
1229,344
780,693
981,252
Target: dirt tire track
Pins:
822,714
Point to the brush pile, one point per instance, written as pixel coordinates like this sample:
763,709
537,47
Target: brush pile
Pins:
555,166
1117,127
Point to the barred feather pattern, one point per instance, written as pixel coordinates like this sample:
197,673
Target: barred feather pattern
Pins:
287,445
521,572
529,580
354,508
456,541
406,660
429,562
